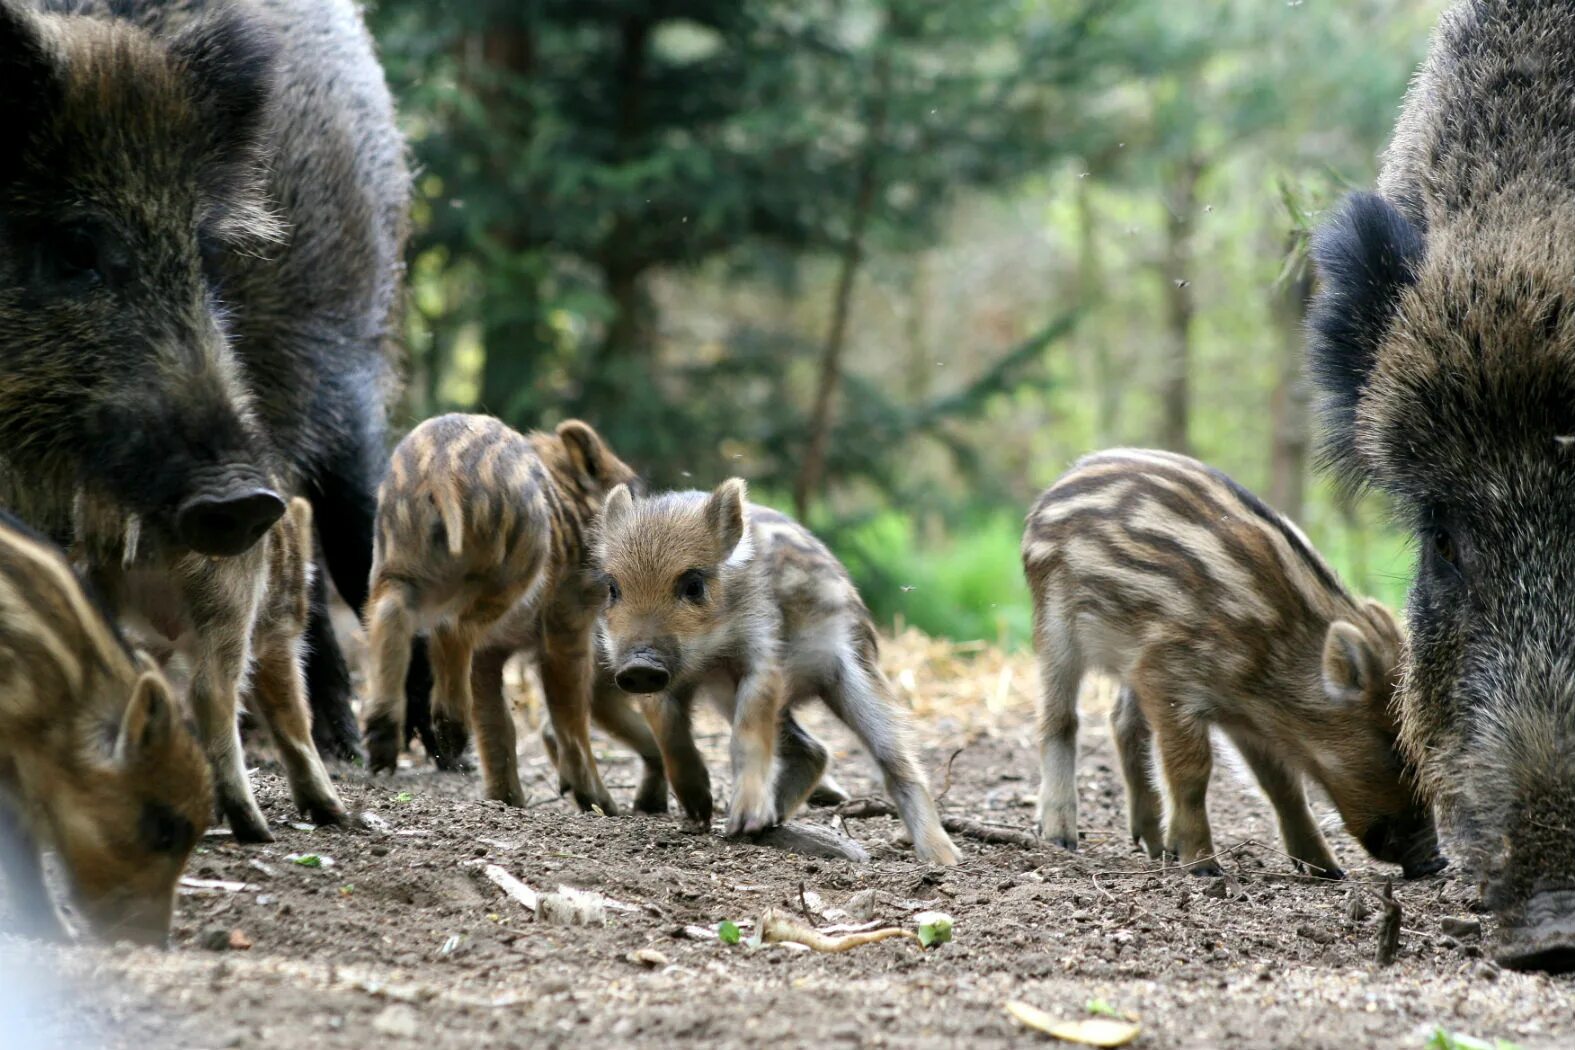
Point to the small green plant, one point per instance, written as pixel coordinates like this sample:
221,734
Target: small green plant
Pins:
728,931
934,928
305,860
1100,1008
404,796
1442,1039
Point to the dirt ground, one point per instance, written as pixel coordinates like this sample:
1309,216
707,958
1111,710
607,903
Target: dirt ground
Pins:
399,940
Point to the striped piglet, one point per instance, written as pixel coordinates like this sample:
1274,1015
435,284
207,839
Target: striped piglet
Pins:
1214,611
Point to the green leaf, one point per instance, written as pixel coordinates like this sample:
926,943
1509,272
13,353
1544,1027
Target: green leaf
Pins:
404,796
1101,1008
1442,1039
935,927
728,931
307,860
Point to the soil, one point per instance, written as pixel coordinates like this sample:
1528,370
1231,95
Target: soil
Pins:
400,940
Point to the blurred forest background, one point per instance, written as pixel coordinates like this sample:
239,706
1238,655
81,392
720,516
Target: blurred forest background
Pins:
898,262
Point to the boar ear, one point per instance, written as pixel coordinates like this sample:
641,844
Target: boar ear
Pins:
1367,256
31,79
149,719
617,505
587,452
231,57
724,514
1347,663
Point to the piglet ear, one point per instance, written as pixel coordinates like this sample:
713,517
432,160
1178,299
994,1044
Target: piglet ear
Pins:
616,507
1367,255
1347,663
149,719
724,514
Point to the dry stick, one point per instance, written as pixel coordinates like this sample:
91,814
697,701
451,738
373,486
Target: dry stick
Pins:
947,786
775,928
1388,926
874,807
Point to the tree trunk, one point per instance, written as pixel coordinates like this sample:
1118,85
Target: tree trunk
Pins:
1180,223
1288,405
810,475
921,363
1091,289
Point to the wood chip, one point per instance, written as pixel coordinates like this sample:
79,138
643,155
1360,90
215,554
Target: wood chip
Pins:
648,957
1089,1031
514,888
189,886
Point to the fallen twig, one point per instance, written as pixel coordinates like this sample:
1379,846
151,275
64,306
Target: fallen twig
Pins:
1388,926
986,833
776,928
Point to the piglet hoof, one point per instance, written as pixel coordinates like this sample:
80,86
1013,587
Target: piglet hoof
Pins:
1333,873
590,803
943,854
327,815
1205,869
247,824
1431,866
828,793
652,796
1062,842
751,821
452,739
698,813
382,745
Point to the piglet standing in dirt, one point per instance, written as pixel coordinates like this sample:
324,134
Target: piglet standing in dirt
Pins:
96,761
707,594
1213,611
481,537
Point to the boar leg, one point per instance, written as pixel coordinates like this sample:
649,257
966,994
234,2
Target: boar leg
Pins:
612,711
757,707
328,681
1298,829
495,740
390,626
1186,760
1135,744
1060,677
668,716
801,759
567,682
862,698
279,694
223,598
33,914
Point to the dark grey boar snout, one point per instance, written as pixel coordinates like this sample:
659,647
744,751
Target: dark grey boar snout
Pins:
1545,940
643,672
229,520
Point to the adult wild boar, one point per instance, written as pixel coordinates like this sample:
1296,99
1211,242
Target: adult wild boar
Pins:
1444,342
202,214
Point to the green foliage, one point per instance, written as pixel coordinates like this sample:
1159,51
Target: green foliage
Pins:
1442,1039
728,931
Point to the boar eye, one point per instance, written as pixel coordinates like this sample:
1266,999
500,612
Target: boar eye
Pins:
613,591
1443,546
691,586
69,255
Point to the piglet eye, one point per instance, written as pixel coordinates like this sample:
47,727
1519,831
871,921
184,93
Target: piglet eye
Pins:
613,591
691,587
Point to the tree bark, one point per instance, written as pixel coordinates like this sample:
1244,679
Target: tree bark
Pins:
1288,405
1091,289
811,473
1180,306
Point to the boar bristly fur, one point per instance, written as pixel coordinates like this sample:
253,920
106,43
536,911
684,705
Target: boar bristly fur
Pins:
202,217
710,596
1213,611
96,759
1443,339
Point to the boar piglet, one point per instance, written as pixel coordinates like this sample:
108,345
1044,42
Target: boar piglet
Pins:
1214,611
96,760
709,595
481,538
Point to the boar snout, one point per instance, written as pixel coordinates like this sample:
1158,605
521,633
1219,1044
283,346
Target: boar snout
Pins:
1545,940
228,521
642,672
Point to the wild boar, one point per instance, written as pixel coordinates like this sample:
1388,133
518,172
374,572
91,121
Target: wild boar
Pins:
96,759
202,219
708,595
481,537
1214,611
1443,339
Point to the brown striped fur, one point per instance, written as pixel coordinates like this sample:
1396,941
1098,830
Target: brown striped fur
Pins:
96,760
711,596
240,622
481,538
1215,612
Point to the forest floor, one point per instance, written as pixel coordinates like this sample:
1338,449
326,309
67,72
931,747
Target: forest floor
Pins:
400,940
